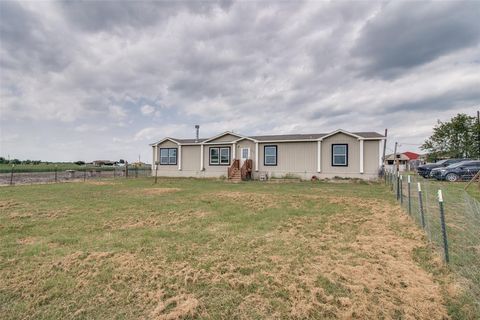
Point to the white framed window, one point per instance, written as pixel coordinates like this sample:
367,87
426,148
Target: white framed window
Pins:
270,155
225,156
220,156
168,156
340,155
245,153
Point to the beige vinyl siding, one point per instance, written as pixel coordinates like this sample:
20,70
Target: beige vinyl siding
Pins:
225,138
246,144
297,158
353,154
292,157
190,158
371,156
167,144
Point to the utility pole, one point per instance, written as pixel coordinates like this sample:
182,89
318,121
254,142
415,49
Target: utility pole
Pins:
384,150
478,133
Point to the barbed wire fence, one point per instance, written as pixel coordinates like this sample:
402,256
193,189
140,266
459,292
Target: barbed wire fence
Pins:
450,218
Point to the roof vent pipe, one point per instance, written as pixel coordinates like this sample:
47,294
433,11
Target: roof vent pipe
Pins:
197,129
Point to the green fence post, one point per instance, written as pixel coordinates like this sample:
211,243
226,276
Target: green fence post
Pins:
392,180
398,185
444,227
409,199
401,190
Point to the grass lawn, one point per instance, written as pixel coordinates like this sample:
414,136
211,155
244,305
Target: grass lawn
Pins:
186,248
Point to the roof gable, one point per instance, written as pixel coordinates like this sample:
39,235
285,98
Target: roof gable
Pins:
239,136
340,131
165,139
411,155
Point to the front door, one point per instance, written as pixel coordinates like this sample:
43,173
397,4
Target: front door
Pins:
244,155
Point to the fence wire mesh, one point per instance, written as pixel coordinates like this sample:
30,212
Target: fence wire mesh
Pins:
462,219
18,178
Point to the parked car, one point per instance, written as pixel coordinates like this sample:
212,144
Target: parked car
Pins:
460,171
437,172
425,170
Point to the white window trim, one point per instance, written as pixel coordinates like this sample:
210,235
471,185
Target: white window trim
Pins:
265,155
340,154
219,163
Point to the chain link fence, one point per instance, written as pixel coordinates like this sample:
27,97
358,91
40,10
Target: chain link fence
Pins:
18,178
455,231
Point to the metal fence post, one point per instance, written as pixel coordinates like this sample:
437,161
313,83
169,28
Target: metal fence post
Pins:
126,169
409,199
11,174
392,181
444,227
55,173
398,185
156,173
401,190
420,205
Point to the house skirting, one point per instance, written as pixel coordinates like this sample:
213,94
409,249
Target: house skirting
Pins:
271,174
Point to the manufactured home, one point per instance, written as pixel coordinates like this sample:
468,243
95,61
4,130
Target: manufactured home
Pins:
234,156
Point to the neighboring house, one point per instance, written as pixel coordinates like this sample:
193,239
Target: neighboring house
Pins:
406,160
324,155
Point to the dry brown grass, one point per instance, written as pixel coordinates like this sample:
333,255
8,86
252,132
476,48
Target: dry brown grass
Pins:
301,255
98,183
255,201
7,204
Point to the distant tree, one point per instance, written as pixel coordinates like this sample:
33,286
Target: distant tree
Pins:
121,161
15,161
27,161
457,138
2,160
36,162
79,163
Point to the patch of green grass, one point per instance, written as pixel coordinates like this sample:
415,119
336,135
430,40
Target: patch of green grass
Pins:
332,288
462,226
119,249
463,305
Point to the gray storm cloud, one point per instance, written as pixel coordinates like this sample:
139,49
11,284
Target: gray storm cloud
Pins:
77,75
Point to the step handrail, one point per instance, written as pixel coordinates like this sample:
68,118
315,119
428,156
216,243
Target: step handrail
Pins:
231,169
246,169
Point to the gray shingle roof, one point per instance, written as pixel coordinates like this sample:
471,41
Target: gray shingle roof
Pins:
369,134
188,140
289,137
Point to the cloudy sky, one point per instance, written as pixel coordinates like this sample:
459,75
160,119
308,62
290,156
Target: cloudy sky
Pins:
100,80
